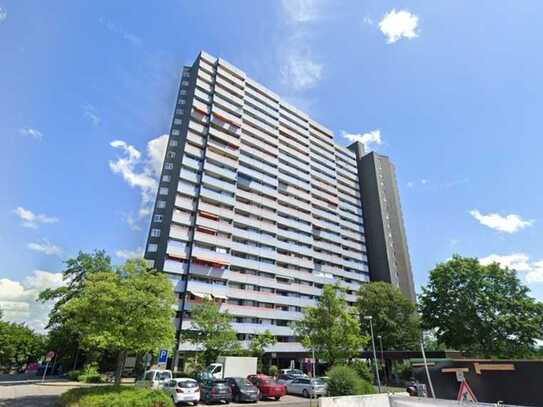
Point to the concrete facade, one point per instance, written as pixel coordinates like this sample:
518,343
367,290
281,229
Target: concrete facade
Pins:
257,206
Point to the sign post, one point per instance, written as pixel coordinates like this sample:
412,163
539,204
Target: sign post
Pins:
48,358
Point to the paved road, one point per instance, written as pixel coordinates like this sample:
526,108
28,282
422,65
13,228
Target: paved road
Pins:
21,391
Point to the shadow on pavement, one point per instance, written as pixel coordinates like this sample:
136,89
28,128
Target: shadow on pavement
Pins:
29,401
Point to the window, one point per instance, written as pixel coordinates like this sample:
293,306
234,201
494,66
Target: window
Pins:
182,101
155,232
161,204
173,143
175,132
179,112
157,218
163,191
166,178
186,74
177,121
185,83
152,247
168,166
183,92
171,154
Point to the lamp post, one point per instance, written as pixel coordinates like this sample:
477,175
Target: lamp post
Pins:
383,359
370,318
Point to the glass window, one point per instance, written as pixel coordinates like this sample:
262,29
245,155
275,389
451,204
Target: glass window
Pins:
168,166
161,204
152,247
173,143
177,121
157,218
175,132
171,154
163,191
155,232
185,83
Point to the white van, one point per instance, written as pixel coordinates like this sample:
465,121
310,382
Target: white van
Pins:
154,379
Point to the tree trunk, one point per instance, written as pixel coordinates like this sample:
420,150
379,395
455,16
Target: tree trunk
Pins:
120,364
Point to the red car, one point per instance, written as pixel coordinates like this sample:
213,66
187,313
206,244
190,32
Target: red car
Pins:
267,386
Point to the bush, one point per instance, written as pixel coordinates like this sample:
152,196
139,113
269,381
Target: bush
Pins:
273,370
364,370
74,375
344,381
114,396
90,375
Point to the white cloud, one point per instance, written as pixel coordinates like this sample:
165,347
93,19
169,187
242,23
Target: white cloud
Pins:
509,223
30,132
45,247
18,299
424,181
89,112
299,70
130,254
3,14
31,219
369,138
140,172
302,11
410,184
520,262
396,25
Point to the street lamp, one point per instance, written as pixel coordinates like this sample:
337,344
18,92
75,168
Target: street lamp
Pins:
370,318
383,364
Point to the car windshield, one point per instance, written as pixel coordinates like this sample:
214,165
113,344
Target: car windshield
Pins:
187,384
242,382
318,382
296,372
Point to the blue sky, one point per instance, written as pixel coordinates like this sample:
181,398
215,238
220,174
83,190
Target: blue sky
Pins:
451,91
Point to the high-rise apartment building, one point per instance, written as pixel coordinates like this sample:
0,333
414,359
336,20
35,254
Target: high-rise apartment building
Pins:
257,206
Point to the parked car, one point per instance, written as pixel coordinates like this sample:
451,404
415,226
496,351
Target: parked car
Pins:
215,391
285,378
242,389
293,372
154,379
183,390
268,388
307,387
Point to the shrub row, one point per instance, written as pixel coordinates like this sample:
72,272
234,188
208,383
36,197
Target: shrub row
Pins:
114,396
345,381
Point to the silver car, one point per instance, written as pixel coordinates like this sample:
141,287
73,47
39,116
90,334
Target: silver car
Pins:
307,387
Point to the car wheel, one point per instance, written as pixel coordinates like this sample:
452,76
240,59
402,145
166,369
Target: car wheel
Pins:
305,393
194,403
277,398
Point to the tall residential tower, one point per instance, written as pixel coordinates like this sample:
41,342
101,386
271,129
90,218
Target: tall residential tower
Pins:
257,206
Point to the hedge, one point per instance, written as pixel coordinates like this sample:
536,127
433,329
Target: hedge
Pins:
344,381
114,396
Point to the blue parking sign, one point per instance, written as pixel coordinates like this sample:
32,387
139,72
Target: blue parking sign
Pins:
162,356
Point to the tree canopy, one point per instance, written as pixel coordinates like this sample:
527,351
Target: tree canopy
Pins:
212,331
482,310
394,316
259,343
126,309
332,327
19,345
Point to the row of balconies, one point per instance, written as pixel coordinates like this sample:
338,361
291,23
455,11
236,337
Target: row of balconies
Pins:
258,199
256,186
217,170
251,172
261,125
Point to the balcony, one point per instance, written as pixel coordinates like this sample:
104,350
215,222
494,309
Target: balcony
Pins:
324,214
260,312
227,213
224,136
271,172
187,189
257,211
223,149
198,128
253,236
324,245
328,257
294,248
256,186
258,104
211,255
352,217
226,160
182,218
205,76
359,237
294,212
289,169
203,96
261,155
195,151
204,85
258,199
175,267
208,271
218,226
300,226
189,176
215,240
253,250
263,296
191,163
179,232
306,186
215,290
255,223
232,89
232,73
301,123
224,93
294,131
321,223
257,114
325,196
260,125
264,94
294,163
351,176
327,148
224,199
248,328
182,202
196,139
254,173
295,261
225,120
253,136
323,234
293,139
218,184
252,264
219,171
286,145
177,249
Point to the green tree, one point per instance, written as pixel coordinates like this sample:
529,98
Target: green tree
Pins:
331,328
259,343
394,316
128,309
212,331
483,310
19,345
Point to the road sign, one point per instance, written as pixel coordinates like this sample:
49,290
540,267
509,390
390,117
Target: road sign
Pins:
49,357
460,376
162,357
465,393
